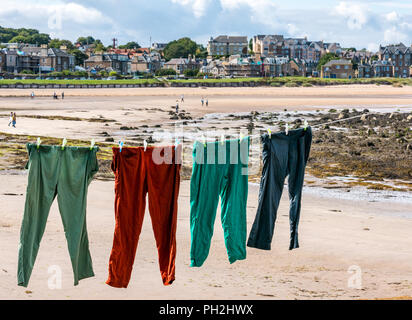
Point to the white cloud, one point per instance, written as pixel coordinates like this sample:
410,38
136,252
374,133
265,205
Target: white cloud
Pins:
199,7
373,47
392,16
394,35
355,13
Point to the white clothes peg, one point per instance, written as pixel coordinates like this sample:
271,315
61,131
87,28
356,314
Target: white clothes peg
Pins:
222,139
287,128
64,143
38,143
92,143
305,124
204,140
241,137
145,145
270,133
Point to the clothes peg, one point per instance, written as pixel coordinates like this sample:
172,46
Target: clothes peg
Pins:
204,140
241,137
121,143
64,143
222,139
38,143
177,142
270,133
305,125
145,145
92,144
287,128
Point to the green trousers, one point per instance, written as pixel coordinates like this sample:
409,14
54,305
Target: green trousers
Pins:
219,170
66,173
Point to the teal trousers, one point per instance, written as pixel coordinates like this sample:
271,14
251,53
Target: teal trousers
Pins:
219,171
66,173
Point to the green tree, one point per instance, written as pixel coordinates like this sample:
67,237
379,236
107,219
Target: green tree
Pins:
79,56
180,48
326,58
191,73
165,72
201,52
57,43
130,45
85,40
251,44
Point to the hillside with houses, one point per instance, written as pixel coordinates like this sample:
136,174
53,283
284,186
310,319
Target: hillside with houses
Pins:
224,56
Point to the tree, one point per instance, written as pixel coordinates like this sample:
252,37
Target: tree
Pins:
201,52
85,40
191,73
326,58
79,56
99,47
251,45
57,43
165,72
130,45
180,48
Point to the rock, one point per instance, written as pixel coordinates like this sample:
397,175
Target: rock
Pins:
109,139
341,116
409,118
363,118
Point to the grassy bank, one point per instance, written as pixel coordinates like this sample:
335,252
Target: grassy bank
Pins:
274,82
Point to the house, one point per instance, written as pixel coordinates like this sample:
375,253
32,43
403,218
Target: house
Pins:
267,45
2,61
37,59
214,68
227,45
339,69
242,67
146,63
400,56
382,69
109,62
180,65
276,66
365,70
158,46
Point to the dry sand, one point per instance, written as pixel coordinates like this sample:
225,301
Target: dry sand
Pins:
335,234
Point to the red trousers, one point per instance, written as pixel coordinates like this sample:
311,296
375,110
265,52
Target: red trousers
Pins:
138,172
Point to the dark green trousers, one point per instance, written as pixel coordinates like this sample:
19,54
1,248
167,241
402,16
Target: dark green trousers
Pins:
283,155
219,170
66,173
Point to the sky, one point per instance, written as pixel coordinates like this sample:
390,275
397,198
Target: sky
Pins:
360,24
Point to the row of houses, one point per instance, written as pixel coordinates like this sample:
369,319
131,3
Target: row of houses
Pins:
16,59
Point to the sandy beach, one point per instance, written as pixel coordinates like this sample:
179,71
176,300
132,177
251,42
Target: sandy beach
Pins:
365,229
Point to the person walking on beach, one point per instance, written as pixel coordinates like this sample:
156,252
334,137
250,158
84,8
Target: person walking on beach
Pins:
63,95
32,95
182,98
11,119
14,119
177,106
203,101
207,102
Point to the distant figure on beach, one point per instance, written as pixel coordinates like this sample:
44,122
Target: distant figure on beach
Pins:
11,119
55,96
63,95
182,98
203,101
32,95
14,119
177,106
207,102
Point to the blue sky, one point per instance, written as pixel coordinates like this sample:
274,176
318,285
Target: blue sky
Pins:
362,24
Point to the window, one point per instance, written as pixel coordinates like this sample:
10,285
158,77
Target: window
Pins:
337,67
346,67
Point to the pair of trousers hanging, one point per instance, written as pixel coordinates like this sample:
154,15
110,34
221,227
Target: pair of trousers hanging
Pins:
219,170
283,155
66,173
155,171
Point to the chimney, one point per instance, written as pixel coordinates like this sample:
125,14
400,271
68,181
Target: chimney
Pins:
63,48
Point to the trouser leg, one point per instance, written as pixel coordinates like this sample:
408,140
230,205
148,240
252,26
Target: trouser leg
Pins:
130,203
78,166
163,182
41,191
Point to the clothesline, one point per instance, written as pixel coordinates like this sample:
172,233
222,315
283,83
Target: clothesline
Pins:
250,136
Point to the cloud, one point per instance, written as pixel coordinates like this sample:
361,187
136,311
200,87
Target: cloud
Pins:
199,7
392,16
356,14
394,35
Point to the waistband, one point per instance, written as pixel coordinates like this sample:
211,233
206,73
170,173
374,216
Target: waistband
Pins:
141,150
45,147
292,134
226,143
